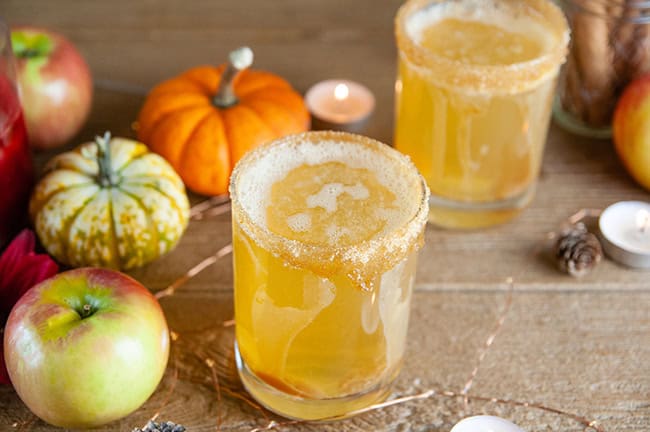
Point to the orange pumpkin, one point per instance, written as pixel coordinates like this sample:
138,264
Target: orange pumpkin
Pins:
204,120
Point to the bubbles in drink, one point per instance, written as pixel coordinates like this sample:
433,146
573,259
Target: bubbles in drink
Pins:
299,222
478,43
327,196
335,232
480,32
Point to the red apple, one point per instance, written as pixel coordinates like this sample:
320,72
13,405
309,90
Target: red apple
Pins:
86,347
632,129
55,84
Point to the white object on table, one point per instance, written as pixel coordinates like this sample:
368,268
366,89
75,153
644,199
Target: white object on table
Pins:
625,233
485,423
340,104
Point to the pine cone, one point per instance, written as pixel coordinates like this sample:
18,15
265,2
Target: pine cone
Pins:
152,426
577,250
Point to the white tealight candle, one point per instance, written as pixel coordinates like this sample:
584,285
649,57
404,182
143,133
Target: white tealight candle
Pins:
625,233
340,105
485,423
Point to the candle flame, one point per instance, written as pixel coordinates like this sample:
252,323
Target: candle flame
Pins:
341,91
643,220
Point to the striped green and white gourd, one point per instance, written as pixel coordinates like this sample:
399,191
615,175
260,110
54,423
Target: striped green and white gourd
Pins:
109,203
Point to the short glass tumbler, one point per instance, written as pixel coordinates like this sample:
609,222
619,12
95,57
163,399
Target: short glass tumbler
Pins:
326,228
474,92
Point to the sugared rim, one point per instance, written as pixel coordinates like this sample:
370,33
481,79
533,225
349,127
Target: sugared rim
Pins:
512,78
362,261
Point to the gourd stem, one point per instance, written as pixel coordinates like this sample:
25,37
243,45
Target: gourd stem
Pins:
238,60
106,177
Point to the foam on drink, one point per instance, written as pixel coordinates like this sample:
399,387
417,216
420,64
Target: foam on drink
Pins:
488,12
299,222
327,196
278,161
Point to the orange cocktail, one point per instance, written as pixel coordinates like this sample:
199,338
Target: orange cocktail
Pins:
474,93
326,227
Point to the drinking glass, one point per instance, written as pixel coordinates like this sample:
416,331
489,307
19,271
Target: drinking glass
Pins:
473,100
326,227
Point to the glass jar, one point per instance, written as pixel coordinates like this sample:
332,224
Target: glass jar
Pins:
610,46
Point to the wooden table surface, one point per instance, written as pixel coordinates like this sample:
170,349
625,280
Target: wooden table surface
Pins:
581,346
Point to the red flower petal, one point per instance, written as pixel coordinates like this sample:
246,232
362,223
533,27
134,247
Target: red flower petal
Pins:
29,271
20,246
42,267
20,269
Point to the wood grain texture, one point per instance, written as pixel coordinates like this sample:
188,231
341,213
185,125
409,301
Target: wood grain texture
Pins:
576,344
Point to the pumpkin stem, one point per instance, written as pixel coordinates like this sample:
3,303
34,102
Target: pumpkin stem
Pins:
238,60
106,177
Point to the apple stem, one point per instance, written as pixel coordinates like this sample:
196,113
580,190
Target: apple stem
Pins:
86,311
238,60
28,53
106,177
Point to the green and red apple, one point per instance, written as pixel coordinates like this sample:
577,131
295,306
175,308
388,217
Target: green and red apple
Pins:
631,129
55,85
86,347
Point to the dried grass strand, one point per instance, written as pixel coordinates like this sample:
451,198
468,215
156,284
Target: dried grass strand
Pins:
170,392
215,211
210,207
26,425
207,262
210,363
489,341
583,214
593,424
579,216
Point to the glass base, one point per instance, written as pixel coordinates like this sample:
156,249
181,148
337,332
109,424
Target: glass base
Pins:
447,213
571,124
298,408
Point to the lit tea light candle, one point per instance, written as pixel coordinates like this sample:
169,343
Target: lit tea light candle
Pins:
625,233
485,423
340,105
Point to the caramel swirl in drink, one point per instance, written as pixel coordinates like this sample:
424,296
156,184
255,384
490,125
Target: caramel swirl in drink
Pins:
326,227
